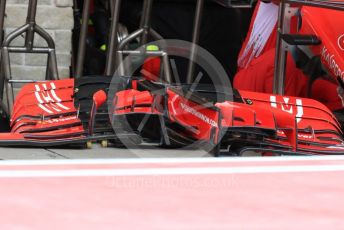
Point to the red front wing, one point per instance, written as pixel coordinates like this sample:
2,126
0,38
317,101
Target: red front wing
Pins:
45,115
261,121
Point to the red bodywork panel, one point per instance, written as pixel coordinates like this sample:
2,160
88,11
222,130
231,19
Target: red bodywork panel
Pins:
328,25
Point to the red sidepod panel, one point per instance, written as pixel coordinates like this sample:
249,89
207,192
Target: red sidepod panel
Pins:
328,25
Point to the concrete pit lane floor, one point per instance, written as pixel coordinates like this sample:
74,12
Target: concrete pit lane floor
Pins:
97,152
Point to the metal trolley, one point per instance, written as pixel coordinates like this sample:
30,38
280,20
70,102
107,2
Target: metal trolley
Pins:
116,50
30,28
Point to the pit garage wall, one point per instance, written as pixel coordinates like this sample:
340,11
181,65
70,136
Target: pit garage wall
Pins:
56,16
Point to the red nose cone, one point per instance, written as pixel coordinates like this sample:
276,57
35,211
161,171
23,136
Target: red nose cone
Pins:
99,98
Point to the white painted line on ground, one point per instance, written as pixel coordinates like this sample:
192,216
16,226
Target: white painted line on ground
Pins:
168,171
169,160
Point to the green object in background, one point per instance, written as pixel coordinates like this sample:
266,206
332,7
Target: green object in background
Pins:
90,22
103,48
152,48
